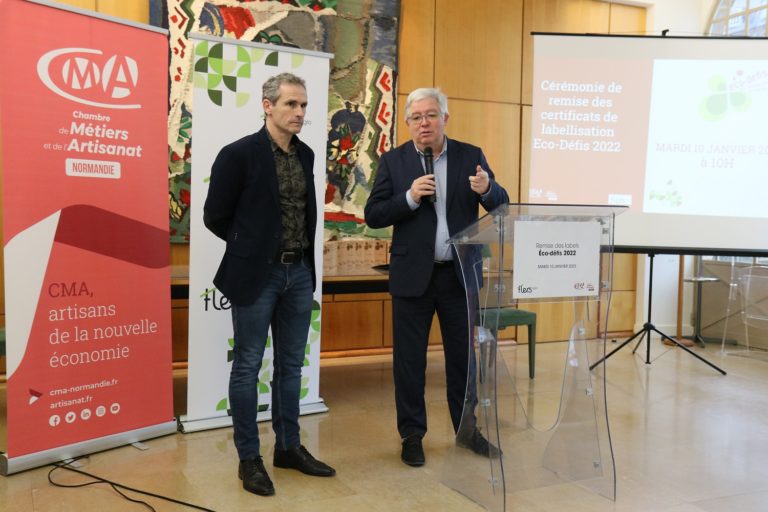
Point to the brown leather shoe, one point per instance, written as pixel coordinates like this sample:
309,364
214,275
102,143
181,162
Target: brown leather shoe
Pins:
255,478
299,458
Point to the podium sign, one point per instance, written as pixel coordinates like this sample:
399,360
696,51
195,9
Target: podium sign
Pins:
556,259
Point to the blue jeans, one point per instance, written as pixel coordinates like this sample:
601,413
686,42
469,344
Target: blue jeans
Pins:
285,303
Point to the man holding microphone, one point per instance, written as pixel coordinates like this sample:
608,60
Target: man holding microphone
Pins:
428,189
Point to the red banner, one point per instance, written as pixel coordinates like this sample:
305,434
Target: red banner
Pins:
83,104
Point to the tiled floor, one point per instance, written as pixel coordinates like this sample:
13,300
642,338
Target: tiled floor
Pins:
686,439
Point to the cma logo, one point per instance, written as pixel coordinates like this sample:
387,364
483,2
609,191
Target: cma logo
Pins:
85,76
584,286
74,289
524,289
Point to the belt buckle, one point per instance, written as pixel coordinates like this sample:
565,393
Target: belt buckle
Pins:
288,257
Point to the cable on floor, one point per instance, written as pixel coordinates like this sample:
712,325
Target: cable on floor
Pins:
116,487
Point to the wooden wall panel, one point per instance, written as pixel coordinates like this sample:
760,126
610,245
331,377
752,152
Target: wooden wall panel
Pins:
622,310
416,55
554,320
352,325
133,10
180,255
130,10
83,4
354,297
546,329
402,128
179,330
627,19
624,272
478,49
525,152
495,127
387,338
588,310
435,335
576,16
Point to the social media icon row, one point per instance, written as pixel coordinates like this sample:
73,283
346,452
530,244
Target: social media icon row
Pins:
85,414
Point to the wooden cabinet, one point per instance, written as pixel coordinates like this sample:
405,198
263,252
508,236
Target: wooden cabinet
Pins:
354,321
360,322
621,313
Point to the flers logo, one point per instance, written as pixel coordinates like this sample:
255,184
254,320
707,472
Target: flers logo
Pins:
86,76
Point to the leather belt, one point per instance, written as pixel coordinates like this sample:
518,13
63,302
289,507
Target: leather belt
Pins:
291,257
441,264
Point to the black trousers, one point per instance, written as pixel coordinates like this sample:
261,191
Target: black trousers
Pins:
411,319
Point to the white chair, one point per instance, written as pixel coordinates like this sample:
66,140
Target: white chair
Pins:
749,293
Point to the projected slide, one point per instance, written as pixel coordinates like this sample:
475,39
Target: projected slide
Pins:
707,151
673,128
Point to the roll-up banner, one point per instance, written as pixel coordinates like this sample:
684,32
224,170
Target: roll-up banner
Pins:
228,75
83,119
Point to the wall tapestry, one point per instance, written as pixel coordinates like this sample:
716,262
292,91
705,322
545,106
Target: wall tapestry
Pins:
362,35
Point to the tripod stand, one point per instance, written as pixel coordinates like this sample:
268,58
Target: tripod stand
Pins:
646,331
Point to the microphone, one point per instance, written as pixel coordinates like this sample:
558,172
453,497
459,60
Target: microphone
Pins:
429,168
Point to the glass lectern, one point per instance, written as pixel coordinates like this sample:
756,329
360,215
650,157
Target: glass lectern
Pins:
549,267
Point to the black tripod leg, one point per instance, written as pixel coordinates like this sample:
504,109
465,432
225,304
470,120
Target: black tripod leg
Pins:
694,354
647,334
623,344
643,332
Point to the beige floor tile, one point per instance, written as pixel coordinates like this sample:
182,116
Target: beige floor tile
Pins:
750,502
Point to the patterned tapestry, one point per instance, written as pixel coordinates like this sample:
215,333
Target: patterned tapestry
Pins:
362,35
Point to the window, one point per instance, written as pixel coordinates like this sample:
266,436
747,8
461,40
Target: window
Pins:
739,18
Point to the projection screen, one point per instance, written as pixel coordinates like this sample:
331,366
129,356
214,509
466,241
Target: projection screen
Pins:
674,128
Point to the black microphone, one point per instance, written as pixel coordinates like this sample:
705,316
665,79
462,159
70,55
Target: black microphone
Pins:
429,168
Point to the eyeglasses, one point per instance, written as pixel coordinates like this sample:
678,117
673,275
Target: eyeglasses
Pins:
418,118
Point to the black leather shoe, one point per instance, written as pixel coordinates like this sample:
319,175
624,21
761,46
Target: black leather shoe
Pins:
474,440
255,478
300,458
413,453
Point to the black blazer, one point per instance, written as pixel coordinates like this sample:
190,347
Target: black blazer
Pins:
243,208
413,238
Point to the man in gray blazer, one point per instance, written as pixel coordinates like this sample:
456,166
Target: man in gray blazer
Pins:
427,204
261,201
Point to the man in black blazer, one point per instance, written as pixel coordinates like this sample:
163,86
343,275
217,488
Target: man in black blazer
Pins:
426,208
261,201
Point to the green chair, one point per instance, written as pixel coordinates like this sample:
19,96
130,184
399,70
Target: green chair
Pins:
502,318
